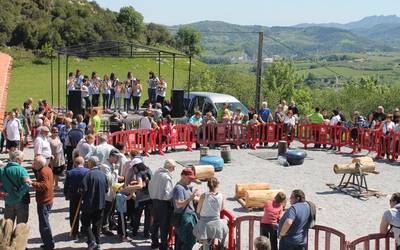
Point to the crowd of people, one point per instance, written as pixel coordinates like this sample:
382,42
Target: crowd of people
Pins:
117,95
109,189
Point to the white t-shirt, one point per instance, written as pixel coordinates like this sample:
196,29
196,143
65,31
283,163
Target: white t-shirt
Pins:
388,127
12,129
128,92
42,147
144,123
162,89
85,91
335,120
212,205
392,216
290,120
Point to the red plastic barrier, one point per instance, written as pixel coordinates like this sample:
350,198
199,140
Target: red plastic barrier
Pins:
395,152
261,133
338,136
225,214
138,139
313,133
181,135
365,242
219,134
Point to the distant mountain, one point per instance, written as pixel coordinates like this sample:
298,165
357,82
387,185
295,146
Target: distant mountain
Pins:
365,23
289,41
387,33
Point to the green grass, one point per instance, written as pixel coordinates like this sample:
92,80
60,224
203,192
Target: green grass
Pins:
34,80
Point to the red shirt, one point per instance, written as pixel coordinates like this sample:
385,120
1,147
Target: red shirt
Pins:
272,212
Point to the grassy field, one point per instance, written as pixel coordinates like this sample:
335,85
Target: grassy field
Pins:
34,80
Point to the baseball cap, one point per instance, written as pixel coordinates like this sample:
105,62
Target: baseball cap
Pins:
115,152
124,114
189,173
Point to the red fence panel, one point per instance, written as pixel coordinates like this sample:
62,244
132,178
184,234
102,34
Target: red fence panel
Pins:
138,139
218,134
338,136
378,241
181,135
225,214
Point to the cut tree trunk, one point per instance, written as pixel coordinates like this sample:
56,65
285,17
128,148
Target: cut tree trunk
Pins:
204,172
241,188
257,198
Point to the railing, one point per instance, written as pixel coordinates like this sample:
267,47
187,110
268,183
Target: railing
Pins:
378,241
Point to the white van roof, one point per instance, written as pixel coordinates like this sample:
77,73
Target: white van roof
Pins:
215,97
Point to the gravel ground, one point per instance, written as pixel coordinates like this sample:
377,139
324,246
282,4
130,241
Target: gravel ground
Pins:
352,216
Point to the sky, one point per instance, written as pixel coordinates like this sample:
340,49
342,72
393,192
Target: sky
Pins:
258,12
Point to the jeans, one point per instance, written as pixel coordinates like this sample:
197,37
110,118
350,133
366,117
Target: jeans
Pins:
152,95
117,104
19,210
162,212
135,101
106,101
127,104
73,206
95,100
108,219
91,223
137,214
284,245
271,232
43,211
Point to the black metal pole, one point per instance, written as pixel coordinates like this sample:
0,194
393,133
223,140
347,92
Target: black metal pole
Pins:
131,50
173,72
159,64
51,79
66,80
259,69
59,81
190,75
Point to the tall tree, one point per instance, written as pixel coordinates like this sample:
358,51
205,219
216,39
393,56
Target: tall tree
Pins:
188,40
132,21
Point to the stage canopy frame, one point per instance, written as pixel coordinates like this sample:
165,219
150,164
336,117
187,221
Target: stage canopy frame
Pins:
111,48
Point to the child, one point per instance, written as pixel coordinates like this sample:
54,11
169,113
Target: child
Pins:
122,196
119,91
273,211
262,243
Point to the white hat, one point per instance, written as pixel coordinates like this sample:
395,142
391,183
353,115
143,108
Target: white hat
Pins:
124,114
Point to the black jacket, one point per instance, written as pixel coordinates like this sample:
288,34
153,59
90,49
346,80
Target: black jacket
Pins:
94,188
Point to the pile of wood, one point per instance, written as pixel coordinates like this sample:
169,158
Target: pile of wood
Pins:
13,239
254,195
358,165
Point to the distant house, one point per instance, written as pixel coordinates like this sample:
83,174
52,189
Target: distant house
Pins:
268,60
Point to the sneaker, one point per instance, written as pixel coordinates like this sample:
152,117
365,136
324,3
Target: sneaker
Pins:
107,232
92,246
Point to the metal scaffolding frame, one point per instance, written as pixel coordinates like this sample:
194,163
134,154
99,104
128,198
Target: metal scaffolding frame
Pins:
111,48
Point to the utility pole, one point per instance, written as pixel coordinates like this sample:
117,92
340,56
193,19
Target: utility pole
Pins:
259,69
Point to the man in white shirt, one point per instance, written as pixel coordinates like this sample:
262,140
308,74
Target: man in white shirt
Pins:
160,189
42,144
102,151
145,122
13,132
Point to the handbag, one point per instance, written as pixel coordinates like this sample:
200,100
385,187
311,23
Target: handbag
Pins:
27,197
176,218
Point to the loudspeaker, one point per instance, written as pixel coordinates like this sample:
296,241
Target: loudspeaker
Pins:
75,102
178,109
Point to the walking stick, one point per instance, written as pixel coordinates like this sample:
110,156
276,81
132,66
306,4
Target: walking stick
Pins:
76,216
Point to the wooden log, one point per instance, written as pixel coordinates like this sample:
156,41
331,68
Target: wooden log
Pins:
352,168
204,172
241,188
257,198
363,159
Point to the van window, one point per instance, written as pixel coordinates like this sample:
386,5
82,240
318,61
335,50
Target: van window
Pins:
197,104
208,107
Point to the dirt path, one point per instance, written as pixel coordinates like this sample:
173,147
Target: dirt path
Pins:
5,75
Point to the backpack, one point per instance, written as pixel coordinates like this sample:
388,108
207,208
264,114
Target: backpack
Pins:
313,215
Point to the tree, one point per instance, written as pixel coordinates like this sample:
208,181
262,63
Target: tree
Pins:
156,33
280,80
132,21
188,40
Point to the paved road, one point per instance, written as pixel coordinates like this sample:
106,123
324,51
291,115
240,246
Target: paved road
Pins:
352,216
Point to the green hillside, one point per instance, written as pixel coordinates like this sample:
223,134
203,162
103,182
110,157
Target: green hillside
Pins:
303,41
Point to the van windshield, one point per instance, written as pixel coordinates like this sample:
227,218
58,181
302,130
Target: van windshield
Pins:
233,106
